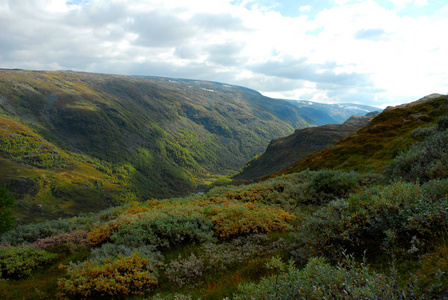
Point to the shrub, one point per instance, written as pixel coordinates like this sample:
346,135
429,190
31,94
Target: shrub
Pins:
423,131
329,185
6,203
220,256
423,161
115,277
442,123
164,231
234,219
167,223
30,233
63,238
388,217
433,274
185,271
319,280
109,251
16,262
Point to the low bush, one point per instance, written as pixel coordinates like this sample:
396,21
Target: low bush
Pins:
399,216
16,262
423,132
166,223
319,280
442,123
115,277
30,233
422,161
434,271
328,185
234,219
108,251
72,237
164,231
292,190
186,271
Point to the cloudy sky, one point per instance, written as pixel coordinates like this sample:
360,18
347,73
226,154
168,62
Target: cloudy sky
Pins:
363,51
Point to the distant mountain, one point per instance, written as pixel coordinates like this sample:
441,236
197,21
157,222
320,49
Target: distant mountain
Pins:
282,153
73,141
322,113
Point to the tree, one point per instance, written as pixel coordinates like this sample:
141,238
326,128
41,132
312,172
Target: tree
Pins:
6,203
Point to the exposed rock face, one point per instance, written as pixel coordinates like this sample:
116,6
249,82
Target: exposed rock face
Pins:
282,153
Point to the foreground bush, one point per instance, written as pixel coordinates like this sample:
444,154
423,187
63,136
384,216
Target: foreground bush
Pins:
117,277
319,280
400,216
18,262
423,161
236,219
164,231
328,185
290,191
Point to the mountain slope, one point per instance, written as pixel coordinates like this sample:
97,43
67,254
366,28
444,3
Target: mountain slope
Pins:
282,153
374,146
157,137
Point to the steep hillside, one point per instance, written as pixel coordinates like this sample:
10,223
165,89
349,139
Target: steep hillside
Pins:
282,153
165,135
374,146
49,182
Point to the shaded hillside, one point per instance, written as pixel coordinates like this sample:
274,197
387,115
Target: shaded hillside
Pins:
282,153
374,146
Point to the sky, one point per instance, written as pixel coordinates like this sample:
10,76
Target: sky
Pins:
378,53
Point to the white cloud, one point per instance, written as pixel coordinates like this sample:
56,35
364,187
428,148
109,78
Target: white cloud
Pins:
363,51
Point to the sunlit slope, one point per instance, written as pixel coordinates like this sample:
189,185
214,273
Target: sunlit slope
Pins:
374,146
48,182
165,135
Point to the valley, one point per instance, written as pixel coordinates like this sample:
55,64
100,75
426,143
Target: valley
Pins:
102,169
132,137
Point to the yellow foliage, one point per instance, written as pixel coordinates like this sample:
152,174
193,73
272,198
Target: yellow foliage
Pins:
234,219
115,277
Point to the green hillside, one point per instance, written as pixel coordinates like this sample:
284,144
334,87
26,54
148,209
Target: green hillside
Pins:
138,136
